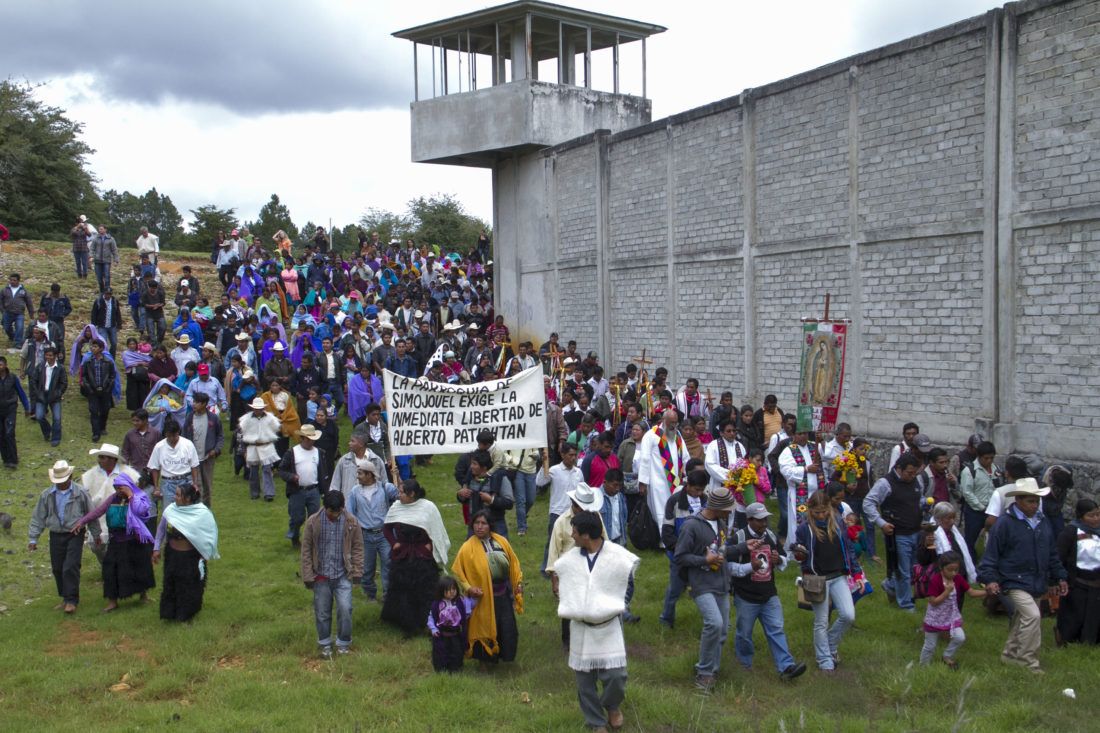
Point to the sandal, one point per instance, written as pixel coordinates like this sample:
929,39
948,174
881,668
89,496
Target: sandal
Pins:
951,664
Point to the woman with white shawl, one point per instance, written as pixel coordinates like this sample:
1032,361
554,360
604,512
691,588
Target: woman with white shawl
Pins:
188,536
418,549
945,538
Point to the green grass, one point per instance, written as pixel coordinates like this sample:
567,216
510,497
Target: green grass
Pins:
249,660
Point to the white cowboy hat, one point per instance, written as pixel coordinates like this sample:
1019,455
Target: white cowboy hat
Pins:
105,450
1028,487
243,337
308,431
588,498
183,339
418,314
278,346
210,346
257,403
248,374
60,472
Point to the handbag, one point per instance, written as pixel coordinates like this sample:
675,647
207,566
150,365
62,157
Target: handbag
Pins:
641,528
813,588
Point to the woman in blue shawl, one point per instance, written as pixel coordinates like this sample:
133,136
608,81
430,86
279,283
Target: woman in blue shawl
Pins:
128,563
184,323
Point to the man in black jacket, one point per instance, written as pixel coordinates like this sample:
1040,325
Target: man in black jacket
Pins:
208,427
107,318
11,391
47,383
97,380
333,372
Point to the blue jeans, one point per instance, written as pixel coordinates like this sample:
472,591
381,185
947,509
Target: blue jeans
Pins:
168,489
715,610
827,640
13,327
899,584
50,432
81,263
110,335
376,549
299,506
524,490
676,589
103,275
868,525
973,524
770,614
324,593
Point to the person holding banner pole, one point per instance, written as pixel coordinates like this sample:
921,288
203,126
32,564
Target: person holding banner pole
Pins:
484,492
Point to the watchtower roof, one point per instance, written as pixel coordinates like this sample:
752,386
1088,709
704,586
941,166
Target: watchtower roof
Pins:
481,26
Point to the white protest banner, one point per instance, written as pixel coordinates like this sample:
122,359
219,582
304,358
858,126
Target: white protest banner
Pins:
433,417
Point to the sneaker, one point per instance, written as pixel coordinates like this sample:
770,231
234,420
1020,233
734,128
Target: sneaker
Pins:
522,533
889,591
343,651
704,682
326,652
795,670
665,622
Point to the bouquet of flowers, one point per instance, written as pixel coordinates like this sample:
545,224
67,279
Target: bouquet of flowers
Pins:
742,475
848,465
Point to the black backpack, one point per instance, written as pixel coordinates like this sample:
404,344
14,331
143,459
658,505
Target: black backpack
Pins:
642,529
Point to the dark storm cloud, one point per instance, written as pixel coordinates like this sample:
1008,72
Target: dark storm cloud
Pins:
250,57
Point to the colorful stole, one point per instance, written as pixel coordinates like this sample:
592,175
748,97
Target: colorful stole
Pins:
801,493
666,458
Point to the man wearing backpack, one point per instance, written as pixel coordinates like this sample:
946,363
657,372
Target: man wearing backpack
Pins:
756,556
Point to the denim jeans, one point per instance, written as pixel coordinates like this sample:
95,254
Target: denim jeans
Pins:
375,550
973,524
770,614
103,275
715,610
324,593
13,327
826,640
524,490
676,589
168,489
258,474
110,335
81,263
155,327
299,506
906,545
137,313
50,432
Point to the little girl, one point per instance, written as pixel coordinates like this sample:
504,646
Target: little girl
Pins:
943,614
447,620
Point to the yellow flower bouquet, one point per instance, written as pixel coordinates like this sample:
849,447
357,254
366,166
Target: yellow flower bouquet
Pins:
741,476
848,465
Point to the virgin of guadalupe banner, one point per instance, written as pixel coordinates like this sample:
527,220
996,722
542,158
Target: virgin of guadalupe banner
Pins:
822,375
427,417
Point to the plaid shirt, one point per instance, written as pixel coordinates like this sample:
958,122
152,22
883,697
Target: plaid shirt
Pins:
331,548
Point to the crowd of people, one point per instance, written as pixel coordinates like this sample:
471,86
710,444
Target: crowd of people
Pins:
263,362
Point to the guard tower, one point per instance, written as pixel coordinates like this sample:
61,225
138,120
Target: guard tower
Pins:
494,87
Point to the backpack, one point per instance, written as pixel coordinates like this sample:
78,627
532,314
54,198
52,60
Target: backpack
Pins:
642,529
921,576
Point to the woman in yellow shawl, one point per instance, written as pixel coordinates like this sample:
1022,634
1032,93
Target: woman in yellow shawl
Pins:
280,404
488,570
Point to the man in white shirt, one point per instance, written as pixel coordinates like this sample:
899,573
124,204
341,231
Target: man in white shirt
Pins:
841,438
720,456
526,361
563,478
184,353
656,480
148,244
174,461
800,464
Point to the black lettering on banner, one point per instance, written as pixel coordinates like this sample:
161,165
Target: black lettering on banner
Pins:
534,409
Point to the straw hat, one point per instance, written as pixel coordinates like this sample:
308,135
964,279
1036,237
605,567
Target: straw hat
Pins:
183,339
308,431
1028,487
60,472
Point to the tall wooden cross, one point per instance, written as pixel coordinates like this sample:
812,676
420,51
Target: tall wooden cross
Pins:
642,384
500,359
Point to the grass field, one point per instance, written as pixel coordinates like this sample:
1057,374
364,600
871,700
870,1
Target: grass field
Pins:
249,661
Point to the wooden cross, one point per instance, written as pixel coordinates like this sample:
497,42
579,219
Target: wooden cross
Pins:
642,387
709,402
503,351
618,405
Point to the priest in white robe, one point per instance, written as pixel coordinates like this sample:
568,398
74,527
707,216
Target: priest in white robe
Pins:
661,462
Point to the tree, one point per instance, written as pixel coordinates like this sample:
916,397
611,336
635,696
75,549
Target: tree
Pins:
44,182
129,213
209,220
442,220
387,224
273,217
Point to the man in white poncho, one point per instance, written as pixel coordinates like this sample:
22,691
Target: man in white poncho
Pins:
592,580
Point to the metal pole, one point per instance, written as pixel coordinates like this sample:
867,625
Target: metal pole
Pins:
527,38
615,66
445,85
643,68
458,50
496,57
472,65
433,68
588,59
561,57
416,76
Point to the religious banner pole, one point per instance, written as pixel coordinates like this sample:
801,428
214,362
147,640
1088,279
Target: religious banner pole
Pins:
821,378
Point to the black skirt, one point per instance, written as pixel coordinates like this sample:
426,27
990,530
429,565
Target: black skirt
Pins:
137,389
507,630
184,583
448,651
1079,613
412,589
127,569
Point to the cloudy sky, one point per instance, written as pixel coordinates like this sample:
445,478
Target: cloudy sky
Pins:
229,101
